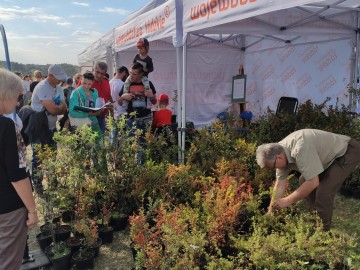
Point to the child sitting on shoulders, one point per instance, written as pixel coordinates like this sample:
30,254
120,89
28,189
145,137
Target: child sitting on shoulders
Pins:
144,59
162,117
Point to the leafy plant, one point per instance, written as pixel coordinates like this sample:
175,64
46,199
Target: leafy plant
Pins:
292,240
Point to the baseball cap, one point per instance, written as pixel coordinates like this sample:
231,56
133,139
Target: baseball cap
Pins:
69,80
57,71
163,97
141,42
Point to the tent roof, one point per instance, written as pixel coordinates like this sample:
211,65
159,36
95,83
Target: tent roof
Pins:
98,49
293,22
284,21
207,19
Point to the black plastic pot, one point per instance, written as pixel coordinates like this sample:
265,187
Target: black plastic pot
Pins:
74,244
68,216
95,247
119,222
62,232
60,261
106,234
44,239
46,227
84,259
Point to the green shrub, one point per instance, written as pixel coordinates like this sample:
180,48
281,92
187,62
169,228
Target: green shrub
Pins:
293,240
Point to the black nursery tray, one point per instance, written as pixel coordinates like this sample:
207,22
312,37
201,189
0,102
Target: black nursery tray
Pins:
40,260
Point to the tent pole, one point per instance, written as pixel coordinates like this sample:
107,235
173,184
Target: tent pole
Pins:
354,104
7,57
357,54
179,91
183,103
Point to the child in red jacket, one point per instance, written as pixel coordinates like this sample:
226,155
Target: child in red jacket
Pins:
162,117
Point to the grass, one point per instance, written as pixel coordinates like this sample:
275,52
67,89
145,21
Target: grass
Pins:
346,218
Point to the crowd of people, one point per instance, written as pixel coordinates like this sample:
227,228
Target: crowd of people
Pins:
78,100
30,107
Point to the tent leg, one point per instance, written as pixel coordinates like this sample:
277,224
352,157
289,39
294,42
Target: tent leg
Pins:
178,71
183,104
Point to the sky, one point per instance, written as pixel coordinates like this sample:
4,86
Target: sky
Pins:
55,32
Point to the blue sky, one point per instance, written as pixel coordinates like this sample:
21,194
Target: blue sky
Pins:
49,32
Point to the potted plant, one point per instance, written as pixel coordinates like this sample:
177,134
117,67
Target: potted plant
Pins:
118,220
106,232
89,229
90,241
59,255
84,258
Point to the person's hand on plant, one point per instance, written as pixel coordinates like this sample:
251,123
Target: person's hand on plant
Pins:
280,204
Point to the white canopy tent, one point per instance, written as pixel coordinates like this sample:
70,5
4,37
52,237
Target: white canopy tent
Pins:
300,48
103,49
304,49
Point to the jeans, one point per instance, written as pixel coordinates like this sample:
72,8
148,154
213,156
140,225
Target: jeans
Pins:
138,123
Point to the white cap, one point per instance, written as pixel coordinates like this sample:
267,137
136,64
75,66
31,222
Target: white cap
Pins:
57,71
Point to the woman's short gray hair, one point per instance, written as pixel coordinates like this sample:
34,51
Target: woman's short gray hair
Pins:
267,152
11,86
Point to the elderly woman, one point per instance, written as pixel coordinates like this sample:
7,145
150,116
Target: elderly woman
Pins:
85,96
17,204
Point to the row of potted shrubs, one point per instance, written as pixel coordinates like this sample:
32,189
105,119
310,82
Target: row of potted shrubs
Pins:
205,214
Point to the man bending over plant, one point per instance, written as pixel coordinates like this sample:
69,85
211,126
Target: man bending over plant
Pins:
324,160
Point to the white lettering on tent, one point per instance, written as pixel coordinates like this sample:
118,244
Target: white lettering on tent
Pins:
205,9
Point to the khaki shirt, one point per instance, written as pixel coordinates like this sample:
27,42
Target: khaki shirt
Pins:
311,151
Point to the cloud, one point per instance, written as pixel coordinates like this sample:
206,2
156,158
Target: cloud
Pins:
119,11
82,4
11,36
66,24
80,33
35,14
79,16
86,37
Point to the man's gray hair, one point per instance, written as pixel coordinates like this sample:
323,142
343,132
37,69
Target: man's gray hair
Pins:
11,85
266,153
101,65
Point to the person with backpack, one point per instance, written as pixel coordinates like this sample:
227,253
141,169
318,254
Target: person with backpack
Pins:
48,97
139,98
64,121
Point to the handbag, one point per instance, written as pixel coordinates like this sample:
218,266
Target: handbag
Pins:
79,122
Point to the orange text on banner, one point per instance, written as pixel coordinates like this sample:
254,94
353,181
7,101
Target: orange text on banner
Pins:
155,24
207,8
133,33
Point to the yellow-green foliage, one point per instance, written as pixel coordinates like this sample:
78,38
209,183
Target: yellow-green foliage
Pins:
293,241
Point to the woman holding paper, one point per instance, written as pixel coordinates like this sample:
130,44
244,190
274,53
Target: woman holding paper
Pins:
82,99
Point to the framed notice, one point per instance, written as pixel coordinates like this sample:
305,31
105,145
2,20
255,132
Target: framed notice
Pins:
239,88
